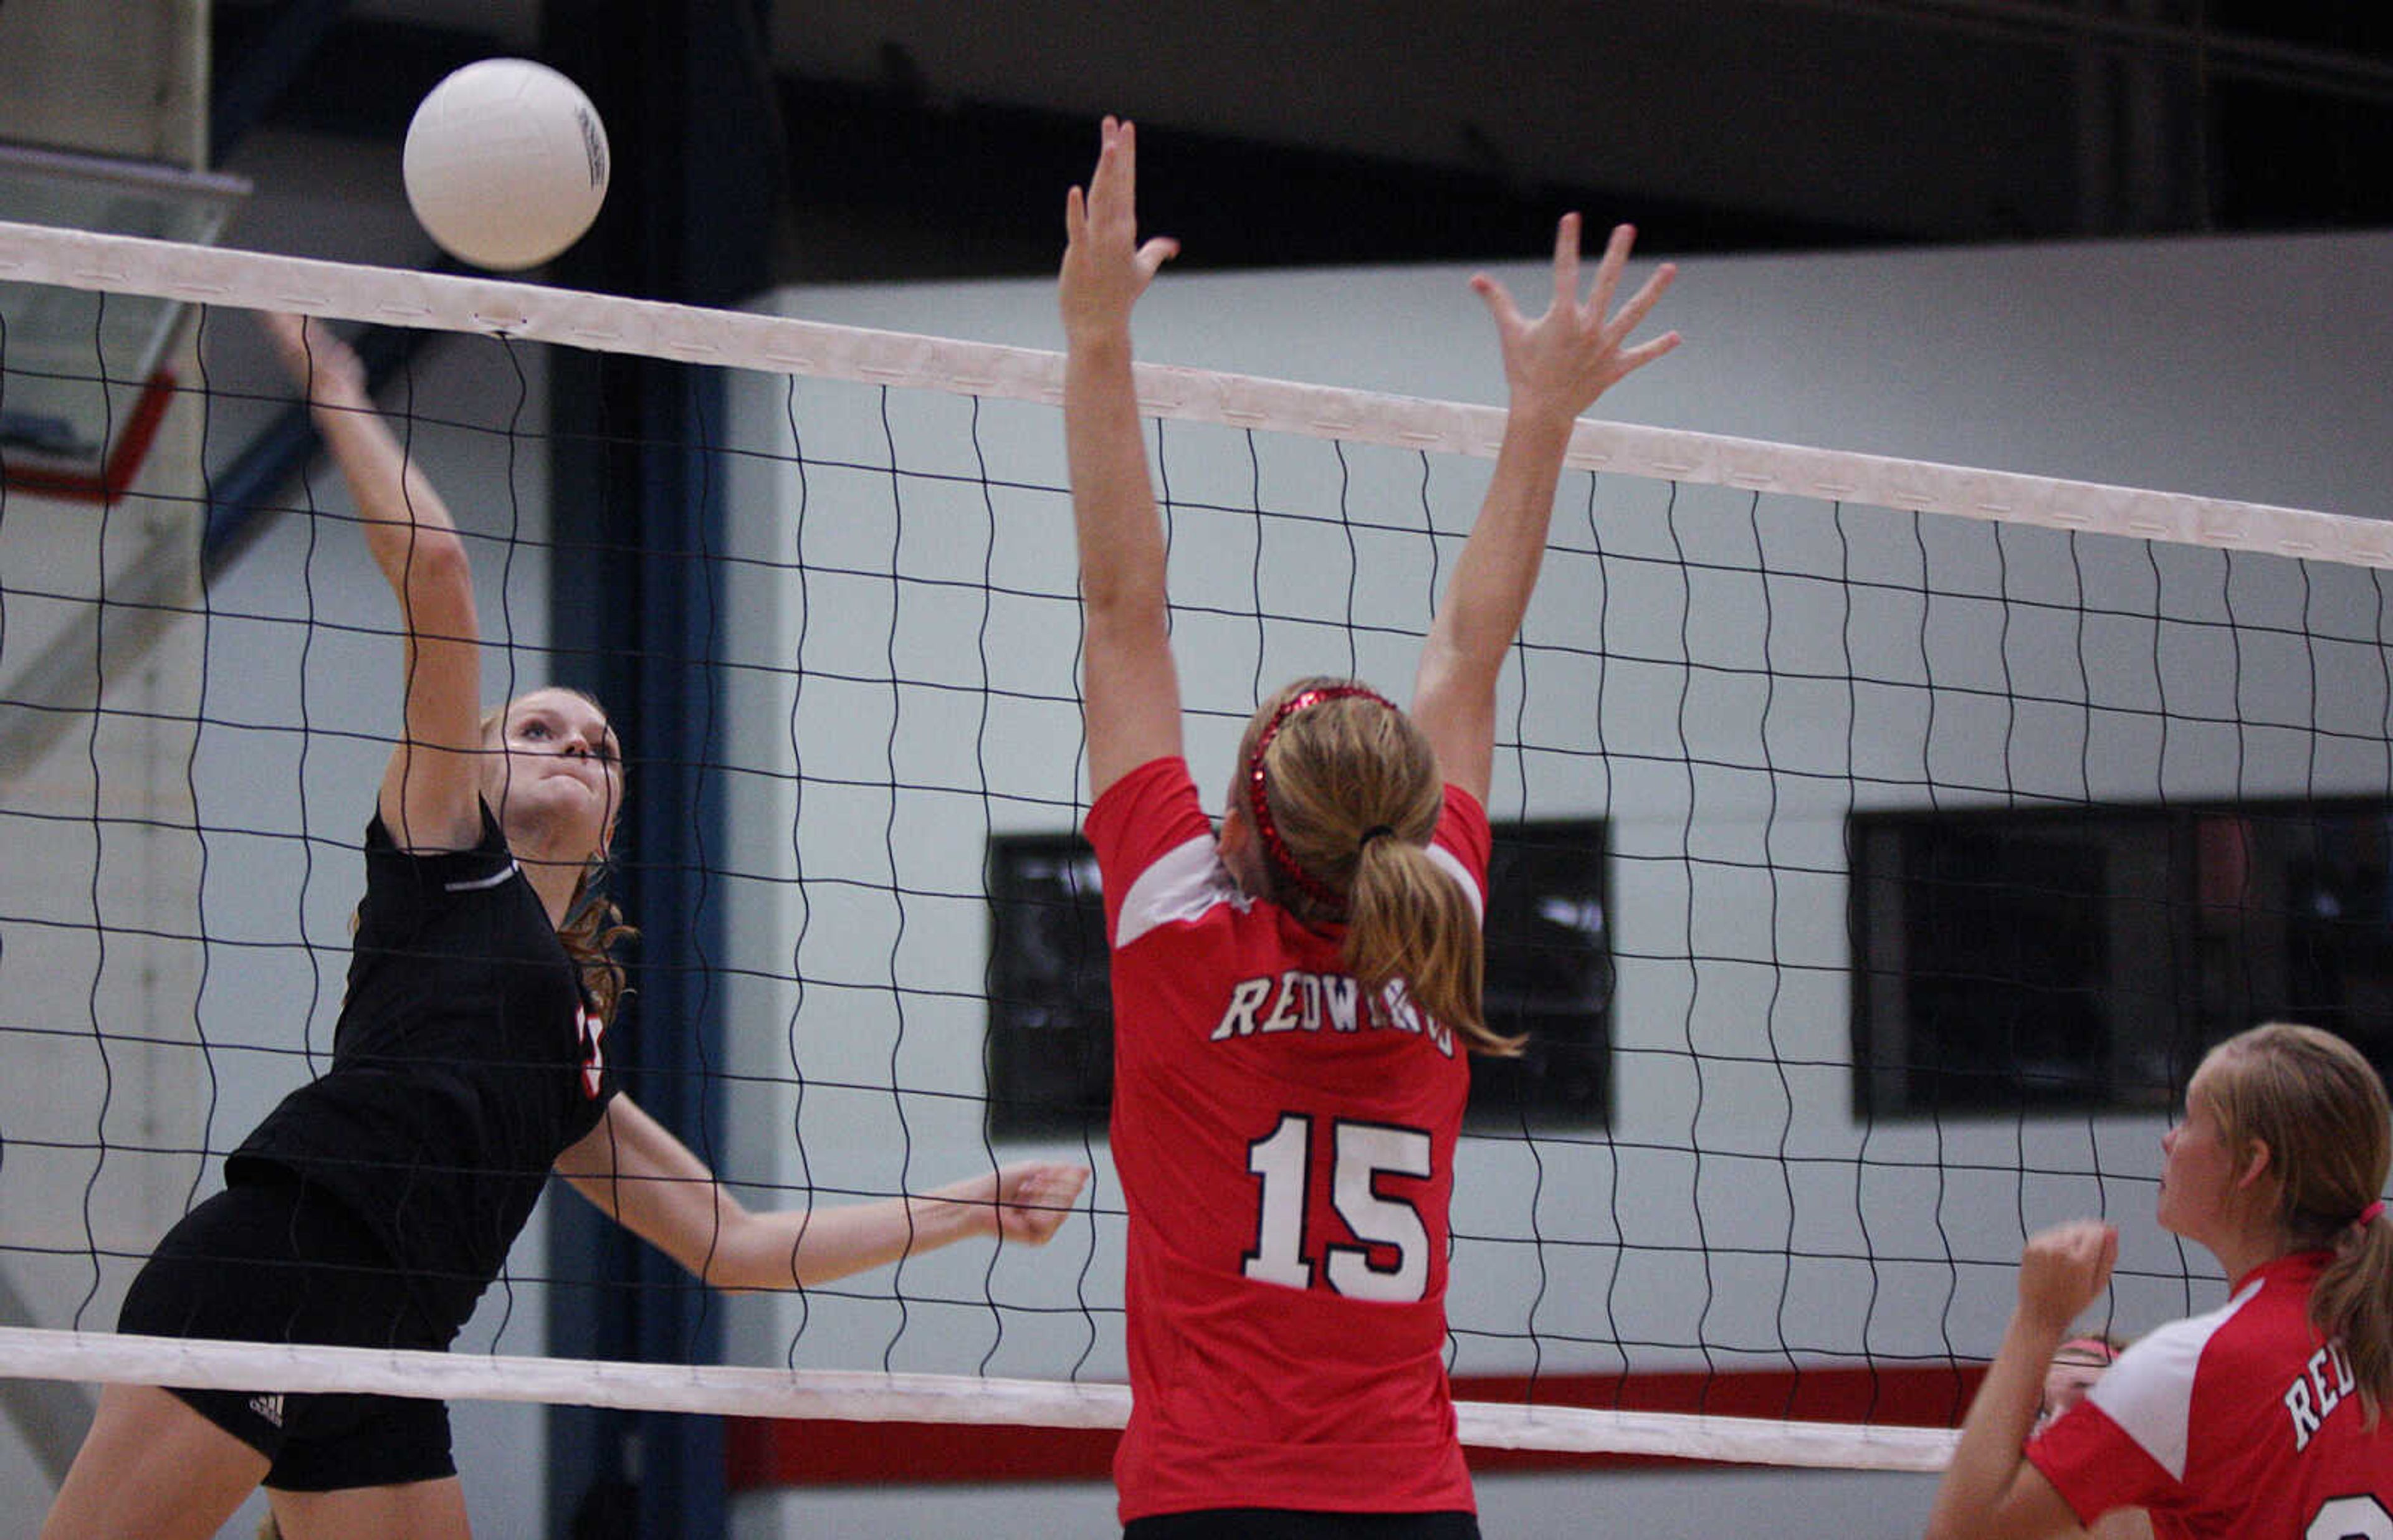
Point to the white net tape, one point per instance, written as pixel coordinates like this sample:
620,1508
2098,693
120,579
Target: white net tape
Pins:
611,324
857,1397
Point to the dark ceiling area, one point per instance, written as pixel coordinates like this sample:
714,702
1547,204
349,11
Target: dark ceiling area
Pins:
1370,133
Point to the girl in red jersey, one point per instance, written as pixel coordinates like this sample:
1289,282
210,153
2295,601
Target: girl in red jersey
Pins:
1294,999
2262,1419
376,1204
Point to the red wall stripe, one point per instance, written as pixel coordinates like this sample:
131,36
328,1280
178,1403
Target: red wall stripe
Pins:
763,1453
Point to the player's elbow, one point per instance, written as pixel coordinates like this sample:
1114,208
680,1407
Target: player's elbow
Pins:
1950,1519
1944,1522
1468,645
1125,593
1127,622
731,1262
1450,668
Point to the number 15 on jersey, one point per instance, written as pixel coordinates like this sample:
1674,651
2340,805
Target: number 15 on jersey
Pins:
1359,1152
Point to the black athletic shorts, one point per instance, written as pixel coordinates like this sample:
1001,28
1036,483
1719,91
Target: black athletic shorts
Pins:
1271,1523
273,1259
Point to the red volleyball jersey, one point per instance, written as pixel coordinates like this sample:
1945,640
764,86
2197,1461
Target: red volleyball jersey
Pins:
2239,1422
1287,1150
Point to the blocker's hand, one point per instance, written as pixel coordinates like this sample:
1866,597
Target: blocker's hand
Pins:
1564,359
1105,266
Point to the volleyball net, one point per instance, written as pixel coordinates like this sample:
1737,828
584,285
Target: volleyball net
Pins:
1879,844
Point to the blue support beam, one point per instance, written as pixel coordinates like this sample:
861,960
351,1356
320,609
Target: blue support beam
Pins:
637,507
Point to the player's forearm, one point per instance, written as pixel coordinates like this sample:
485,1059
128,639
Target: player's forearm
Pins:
1987,1459
1497,570
1118,531
407,527
801,1248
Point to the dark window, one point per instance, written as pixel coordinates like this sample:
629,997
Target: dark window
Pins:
1549,975
1051,1010
2088,957
1548,939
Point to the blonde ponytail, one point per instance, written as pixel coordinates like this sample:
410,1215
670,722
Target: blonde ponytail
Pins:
1343,791
2353,1299
1408,920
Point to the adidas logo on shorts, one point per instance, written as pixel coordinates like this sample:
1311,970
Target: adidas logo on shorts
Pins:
267,1406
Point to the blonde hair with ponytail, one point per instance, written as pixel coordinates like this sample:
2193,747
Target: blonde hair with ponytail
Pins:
2322,1110
1343,789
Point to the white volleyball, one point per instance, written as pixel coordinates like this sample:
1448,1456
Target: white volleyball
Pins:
505,164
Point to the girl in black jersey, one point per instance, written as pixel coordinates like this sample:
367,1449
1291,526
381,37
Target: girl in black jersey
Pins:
374,1206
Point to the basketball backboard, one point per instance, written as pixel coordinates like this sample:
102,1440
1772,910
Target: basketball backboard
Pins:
83,379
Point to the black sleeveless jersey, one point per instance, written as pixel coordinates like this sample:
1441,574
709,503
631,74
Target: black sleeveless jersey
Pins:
465,1061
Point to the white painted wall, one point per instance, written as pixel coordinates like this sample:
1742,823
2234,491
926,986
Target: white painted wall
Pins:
2232,367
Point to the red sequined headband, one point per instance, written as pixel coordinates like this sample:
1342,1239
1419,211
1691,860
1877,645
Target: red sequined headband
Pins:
2092,1347
1259,799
